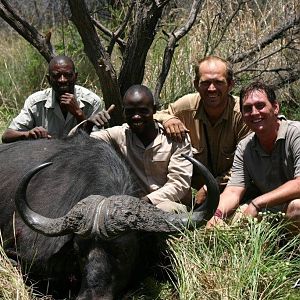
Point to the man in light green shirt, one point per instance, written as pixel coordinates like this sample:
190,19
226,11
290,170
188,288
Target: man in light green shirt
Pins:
53,112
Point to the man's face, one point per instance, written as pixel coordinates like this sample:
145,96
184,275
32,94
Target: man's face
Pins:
62,78
213,86
258,112
138,112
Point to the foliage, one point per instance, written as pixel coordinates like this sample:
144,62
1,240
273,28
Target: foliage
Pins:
249,261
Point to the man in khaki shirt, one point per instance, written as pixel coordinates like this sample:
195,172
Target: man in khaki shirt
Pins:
212,118
164,174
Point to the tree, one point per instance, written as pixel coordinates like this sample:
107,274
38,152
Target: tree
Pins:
223,26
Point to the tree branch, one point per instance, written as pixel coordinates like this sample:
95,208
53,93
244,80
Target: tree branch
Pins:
28,32
286,78
246,68
174,37
267,40
107,32
140,39
121,29
98,57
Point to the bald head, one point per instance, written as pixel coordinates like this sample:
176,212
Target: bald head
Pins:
141,92
61,60
62,76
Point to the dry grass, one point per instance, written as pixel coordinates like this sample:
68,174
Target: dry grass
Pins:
11,281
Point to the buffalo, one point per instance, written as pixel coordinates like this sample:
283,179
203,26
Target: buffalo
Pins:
70,214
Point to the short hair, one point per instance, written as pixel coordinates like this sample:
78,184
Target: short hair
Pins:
257,86
57,59
228,65
142,89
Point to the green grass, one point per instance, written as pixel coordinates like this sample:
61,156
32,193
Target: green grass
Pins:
250,261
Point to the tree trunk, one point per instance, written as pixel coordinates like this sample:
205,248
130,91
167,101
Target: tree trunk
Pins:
99,58
141,37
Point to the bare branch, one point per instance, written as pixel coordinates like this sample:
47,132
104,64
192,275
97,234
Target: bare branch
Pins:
28,32
246,68
107,32
170,49
267,40
229,21
121,29
287,78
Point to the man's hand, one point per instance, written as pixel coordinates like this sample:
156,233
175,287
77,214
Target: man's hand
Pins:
251,210
215,222
175,129
101,119
38,133
201,195
68,102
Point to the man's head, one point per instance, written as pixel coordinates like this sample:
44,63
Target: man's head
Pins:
213,81
259,107
139,107
62,75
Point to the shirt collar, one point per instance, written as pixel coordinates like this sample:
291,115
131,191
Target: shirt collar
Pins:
155,142
280,135
201,115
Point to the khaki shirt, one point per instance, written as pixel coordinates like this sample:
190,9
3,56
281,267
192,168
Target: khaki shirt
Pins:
268,171
41,109
164,174
223,136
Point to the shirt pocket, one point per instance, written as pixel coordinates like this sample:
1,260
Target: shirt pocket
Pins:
160,163
161,156
228,154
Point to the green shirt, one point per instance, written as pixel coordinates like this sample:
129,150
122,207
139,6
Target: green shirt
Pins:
268,171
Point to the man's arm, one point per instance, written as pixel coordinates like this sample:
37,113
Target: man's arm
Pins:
69,102
283,194
178,177
175,129
22,126
11,135
229,201
99,119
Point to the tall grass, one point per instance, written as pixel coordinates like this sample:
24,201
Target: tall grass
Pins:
252,261
11,281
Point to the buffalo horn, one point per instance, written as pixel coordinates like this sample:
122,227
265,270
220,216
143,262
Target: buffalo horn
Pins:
122,213
75,221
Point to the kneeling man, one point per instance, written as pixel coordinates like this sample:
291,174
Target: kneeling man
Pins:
268,159
164,174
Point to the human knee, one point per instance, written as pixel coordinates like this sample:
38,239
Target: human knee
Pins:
293,209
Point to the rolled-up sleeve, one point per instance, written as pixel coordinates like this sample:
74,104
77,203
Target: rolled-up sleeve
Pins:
238,176
25,119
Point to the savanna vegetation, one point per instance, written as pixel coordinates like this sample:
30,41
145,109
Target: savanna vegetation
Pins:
249,260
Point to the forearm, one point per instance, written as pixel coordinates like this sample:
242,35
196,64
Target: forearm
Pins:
229,200
283,194
79,115
11,135
164,115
